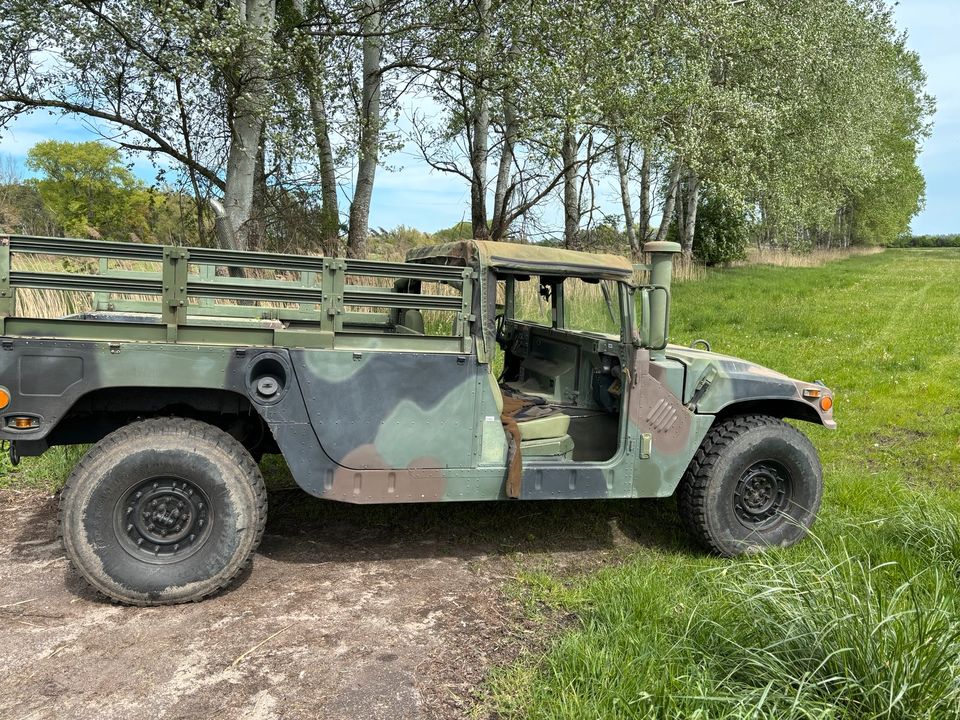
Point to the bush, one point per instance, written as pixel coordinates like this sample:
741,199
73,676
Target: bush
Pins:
721,234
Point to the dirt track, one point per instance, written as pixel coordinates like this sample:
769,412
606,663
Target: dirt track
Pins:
348,612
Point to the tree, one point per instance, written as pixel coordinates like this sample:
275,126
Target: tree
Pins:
806,114
88,189
221,88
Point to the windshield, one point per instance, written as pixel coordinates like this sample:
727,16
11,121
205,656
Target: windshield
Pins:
591,306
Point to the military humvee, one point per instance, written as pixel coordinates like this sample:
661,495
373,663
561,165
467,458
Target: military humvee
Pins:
461,374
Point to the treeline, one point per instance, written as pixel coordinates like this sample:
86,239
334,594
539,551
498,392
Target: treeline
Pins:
786,122
927,241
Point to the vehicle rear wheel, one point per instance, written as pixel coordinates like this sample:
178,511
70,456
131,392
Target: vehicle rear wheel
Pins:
163,511
755,482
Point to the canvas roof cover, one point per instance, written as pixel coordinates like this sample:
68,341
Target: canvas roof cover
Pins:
525,259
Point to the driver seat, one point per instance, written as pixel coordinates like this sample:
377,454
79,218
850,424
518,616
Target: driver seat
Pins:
543,429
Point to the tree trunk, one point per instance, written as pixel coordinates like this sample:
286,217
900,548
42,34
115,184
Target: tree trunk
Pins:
622,171
329,205
369,131
479,149
671,199
313,71
257,224
478,167
692,199
501,195
571,199
246,128
644,197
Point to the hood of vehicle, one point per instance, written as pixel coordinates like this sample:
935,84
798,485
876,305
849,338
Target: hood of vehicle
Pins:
715,381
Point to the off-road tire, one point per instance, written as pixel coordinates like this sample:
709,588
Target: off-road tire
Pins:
721,497
163,511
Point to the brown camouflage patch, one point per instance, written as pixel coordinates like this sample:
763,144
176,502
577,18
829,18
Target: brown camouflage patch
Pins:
421,481
657,411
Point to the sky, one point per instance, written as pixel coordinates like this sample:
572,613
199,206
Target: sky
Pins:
408,192
933,29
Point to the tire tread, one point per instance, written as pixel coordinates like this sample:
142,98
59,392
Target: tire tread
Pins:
173,426
692,492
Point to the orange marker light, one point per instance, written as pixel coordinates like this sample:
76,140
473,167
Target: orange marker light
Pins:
4,397
826,402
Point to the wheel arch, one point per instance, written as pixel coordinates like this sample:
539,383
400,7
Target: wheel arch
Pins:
100,411
775,407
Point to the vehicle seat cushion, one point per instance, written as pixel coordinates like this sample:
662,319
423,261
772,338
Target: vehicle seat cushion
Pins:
559,448
537,421
542,421
412,320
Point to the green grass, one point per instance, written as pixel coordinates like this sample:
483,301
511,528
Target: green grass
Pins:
863,621
48,472
860,622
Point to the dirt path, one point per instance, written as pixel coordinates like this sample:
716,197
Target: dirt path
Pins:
348,612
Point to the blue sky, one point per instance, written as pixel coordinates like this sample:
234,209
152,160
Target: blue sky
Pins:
933,27
411,194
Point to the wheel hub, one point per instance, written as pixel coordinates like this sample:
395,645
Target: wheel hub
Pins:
163,519
762,493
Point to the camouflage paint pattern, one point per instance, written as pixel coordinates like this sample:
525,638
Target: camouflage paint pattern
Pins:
398,418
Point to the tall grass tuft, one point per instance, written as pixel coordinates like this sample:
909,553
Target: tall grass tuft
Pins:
48,473
836,630
933,532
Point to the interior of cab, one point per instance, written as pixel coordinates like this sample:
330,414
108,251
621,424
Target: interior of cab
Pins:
560,346
557,353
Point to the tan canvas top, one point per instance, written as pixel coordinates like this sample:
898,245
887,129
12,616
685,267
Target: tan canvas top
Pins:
527,259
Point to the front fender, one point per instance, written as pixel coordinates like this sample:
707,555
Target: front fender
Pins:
718,384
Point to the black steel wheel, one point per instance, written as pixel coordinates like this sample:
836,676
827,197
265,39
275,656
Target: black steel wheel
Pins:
163,519
163,511
755,482
762,494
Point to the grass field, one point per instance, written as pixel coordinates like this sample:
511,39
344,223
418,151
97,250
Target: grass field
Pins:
863,621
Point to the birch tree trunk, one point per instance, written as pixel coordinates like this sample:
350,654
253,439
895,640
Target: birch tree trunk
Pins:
329,205
571,198
246,126
478,166
369,147
692,200
312,70
644,220
625,200
671,199
501,199
479,149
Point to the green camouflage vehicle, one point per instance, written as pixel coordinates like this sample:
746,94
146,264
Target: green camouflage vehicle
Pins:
464,373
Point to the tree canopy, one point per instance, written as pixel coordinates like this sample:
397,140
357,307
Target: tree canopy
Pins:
803,117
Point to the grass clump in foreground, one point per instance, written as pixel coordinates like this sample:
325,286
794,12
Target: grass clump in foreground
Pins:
862,621
857,631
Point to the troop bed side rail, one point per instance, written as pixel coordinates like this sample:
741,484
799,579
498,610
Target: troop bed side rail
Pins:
175,294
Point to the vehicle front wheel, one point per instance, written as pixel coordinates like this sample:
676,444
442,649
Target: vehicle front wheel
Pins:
163,511
755,482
